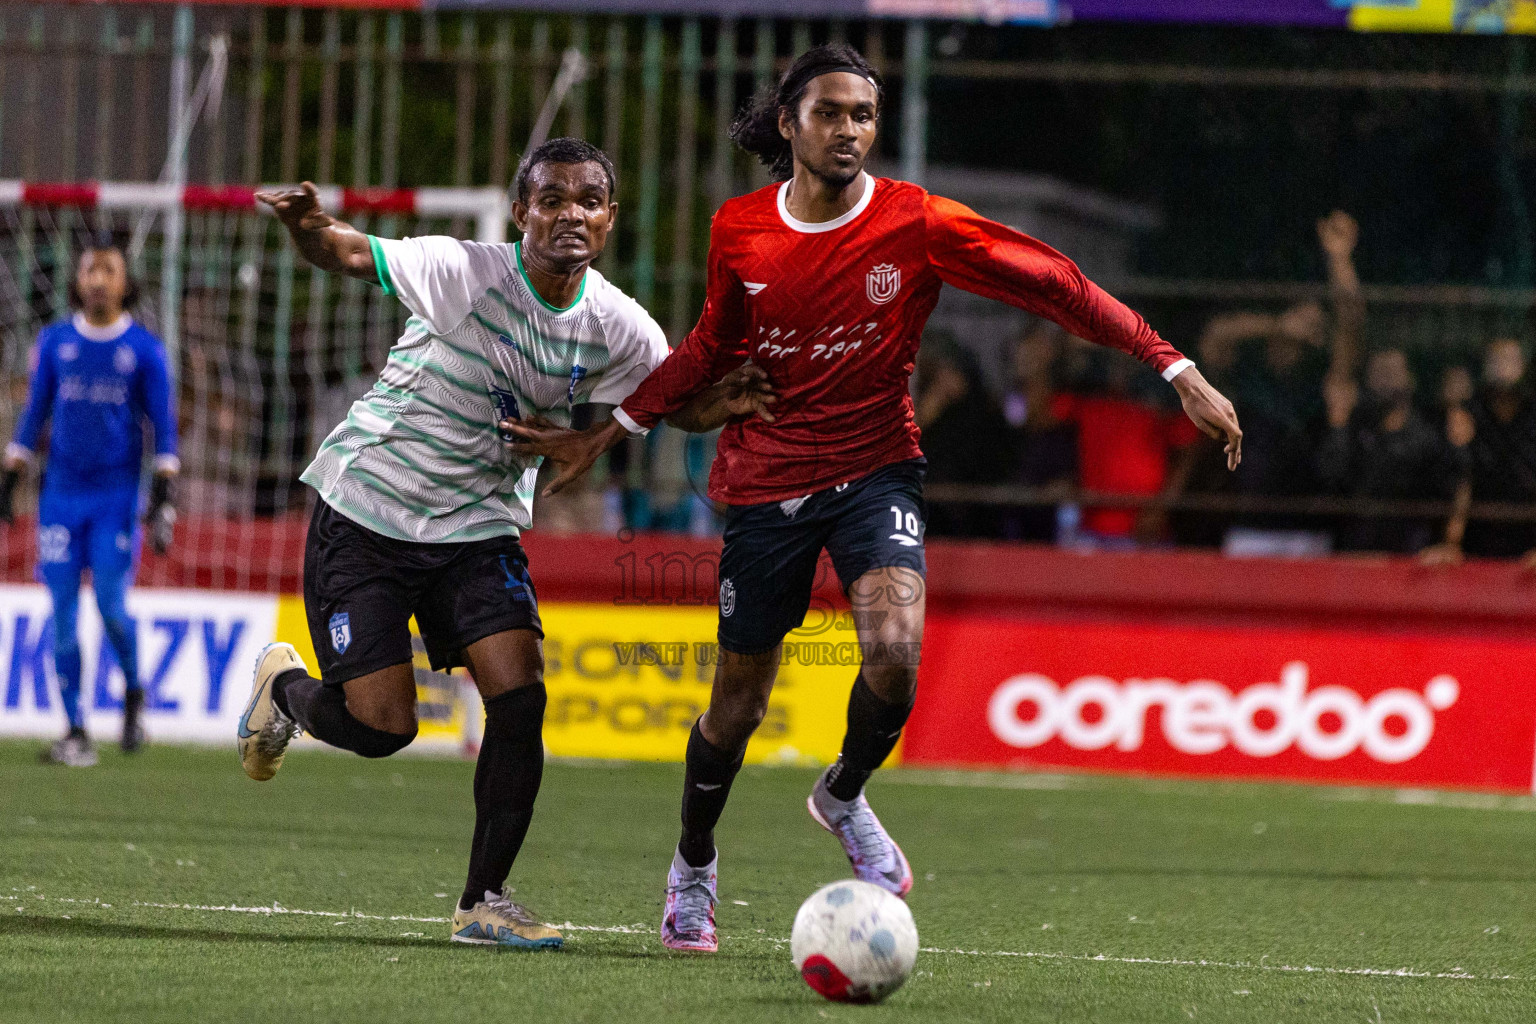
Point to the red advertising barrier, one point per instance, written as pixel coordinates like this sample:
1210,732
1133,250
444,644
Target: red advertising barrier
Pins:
1311,705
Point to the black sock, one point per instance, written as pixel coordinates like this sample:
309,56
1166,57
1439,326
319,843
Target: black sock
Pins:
507,780
874,726
322,712
706,787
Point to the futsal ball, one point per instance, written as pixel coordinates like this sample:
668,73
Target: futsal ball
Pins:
854,942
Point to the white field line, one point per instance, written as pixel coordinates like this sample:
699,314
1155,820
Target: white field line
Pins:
277,910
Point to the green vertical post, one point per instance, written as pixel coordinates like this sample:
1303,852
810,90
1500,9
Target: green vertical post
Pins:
293,53
2,86
143,43
801,37
613,116
576,104
325,155
175,217
29,116
690,58
764,48
538,62
389,114
1517,256
501,101
69,71
914,103
650,162
362,102
430,45
721,150
255,96
464,100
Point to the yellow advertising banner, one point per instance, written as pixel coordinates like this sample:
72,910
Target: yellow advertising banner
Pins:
627,682
1493,16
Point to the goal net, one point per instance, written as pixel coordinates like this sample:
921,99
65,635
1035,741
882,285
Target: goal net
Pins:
267,352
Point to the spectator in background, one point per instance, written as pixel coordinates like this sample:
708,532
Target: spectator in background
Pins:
965,437
1126,445
1498,433
1378,446
1044,444
1274,367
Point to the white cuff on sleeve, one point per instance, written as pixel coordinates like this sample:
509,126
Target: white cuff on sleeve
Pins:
1177,368
16,451
167,464
627,422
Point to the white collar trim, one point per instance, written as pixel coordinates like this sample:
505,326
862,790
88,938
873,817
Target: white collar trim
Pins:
112,332
810,228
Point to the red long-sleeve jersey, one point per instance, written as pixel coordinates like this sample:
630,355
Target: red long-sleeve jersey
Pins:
833,312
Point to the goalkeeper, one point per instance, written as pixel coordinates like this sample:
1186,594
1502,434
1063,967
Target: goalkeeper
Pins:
98,375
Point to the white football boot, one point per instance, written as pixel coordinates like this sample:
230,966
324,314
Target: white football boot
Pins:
264,731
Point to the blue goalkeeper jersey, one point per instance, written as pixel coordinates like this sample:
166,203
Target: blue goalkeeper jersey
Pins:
99,385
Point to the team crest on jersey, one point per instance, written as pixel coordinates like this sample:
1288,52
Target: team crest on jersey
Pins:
882,283
341,632
124,359
69,351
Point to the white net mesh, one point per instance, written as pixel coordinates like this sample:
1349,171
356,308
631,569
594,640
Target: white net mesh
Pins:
268,355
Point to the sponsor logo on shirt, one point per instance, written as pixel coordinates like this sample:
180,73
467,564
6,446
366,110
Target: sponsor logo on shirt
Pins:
882,283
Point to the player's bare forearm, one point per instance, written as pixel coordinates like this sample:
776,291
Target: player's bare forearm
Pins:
1209,410
328,243
572,451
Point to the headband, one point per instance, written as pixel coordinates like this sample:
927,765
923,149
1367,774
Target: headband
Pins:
834,69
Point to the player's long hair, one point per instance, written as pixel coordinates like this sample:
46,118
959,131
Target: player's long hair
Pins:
756,129
100,242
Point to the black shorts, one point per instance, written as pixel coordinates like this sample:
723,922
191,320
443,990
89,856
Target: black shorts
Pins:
361,589
768,567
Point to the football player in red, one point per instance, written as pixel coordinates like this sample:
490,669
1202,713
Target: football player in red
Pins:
824,282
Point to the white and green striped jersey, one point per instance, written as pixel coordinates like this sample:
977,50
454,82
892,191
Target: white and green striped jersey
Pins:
419,457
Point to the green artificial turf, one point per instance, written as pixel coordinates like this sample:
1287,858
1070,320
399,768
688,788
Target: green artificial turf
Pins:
1038,898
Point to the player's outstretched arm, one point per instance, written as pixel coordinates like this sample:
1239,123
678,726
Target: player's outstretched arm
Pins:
330,244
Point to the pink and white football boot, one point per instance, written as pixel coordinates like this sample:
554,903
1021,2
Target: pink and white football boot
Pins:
688,922
873,853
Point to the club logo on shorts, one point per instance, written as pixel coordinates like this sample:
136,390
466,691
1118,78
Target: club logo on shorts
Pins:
53,544
341,632
727,598
882,283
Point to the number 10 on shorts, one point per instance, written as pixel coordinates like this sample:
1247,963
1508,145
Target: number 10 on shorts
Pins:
907,527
